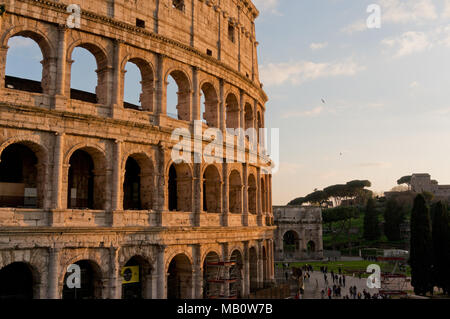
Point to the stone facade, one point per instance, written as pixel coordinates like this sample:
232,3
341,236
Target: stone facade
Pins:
423,183
298,235
102,190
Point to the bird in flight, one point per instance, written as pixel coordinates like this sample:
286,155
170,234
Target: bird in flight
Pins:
323,101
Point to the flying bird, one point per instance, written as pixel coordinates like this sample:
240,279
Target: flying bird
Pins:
323,101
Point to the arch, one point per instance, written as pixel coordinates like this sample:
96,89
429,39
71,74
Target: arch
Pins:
211,114
251,194
311,247
86,182
146,83
235,193
237,271
179,279
179,187
138,182
211,289
183,95
135,286
212,190
24,82
232,111
248,116
102,93
291,241
91,278
23,177
19,280
253,260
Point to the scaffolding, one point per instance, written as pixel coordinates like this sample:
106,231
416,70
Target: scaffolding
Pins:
222,278
394,283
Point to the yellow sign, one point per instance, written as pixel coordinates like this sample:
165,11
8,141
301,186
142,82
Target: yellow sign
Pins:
130,274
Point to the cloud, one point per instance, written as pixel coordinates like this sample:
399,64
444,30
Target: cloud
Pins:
267,6
446,11
318,46
400,12
408,43
21,42
296,73
357,26
309,113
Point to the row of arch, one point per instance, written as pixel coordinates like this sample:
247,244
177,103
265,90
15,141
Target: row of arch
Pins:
21,280
23,179
291,243
176,83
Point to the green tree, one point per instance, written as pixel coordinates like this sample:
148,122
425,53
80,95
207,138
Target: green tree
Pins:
405,180
394,216
421,254
371,227
441,247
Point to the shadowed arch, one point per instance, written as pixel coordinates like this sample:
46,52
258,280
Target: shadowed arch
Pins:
232,111
235,192
211,114
184,86
146,83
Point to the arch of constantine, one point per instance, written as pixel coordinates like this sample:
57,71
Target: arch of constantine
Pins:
87,178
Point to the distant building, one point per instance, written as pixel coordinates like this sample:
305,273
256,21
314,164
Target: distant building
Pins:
298,235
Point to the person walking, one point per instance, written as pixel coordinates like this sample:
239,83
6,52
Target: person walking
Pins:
329,293
343,280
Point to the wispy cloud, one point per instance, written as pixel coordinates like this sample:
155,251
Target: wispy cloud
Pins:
305,113
400,12
267,6
21,42
296,73
318,46
408,43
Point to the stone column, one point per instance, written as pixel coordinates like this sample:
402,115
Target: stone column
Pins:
225,195
161,103
222,107
3,54
225,259
197,275
117,204
62,82
161,273
241,110
161,194
260,266
116,85
196,108
58,154
246,261
53,273
197,193
115,280
245,195
259,197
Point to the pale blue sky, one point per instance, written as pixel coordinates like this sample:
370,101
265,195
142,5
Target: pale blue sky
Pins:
387,91
387,104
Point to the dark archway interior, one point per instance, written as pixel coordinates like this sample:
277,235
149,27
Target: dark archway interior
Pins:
132,186
253,269
81,181
211,289
133,290
179,281
290,242
16,281
18,173
173,191
91,284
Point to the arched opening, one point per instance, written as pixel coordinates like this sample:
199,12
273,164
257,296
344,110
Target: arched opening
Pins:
89,74
27,64
132,186
179,280
253,259
177,80
211,268
311,247
235,193
249,123
17,281
251,194
138,183
291,242
232,111
237,271
211,190
134,278
138,85
86,180
22,174
180,188
210,105
263,197
90,280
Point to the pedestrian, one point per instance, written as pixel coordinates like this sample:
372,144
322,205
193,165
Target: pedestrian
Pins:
322,294
343,280
340,281
329,293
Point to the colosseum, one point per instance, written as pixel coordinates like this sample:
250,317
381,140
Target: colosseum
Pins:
88,179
